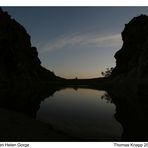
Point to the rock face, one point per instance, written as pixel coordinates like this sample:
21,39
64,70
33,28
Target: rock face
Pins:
18,59
132,58
130,80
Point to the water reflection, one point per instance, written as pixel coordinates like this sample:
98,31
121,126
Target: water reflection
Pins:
131,112
24,99
82,114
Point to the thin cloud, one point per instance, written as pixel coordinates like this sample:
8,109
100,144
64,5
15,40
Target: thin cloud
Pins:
80,39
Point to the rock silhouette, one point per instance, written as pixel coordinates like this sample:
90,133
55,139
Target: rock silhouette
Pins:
18,58
128,80
132,58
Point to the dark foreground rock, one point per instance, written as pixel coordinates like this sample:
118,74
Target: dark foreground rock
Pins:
15,126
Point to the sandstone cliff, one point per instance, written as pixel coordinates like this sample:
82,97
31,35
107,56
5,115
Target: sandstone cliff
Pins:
18,59
132,58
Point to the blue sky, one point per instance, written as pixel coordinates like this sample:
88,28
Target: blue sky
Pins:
76,41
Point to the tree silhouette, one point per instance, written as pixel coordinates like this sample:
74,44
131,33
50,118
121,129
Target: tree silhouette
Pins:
108,72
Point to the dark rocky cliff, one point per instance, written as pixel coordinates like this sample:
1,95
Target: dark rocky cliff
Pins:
132,58
18,59
129,81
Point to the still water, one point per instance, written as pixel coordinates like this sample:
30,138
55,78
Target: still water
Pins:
81,113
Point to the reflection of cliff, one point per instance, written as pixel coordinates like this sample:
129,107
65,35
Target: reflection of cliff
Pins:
18,109
131,112
25,99
18,59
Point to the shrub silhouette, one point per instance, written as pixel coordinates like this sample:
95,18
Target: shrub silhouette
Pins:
108,72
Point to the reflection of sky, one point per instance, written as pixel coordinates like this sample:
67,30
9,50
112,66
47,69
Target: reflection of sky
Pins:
81,112
76,42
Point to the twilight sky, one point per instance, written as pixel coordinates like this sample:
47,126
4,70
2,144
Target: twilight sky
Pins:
76,41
